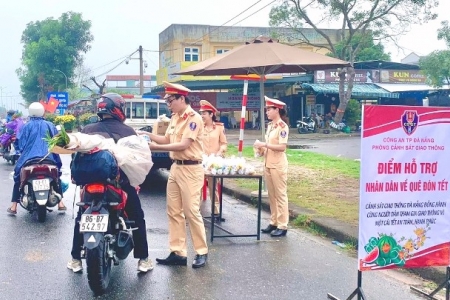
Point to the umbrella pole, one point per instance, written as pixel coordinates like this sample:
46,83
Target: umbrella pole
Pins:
262,122
242,125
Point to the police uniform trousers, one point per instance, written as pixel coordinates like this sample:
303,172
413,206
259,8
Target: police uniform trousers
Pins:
183,202
276,182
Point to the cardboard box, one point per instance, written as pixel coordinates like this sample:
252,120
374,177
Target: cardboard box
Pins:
160,127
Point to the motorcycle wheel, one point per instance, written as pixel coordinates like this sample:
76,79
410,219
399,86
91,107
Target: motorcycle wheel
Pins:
41,213
98,268
302,130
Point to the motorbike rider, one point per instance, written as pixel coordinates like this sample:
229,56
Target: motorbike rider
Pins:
31,144
111,112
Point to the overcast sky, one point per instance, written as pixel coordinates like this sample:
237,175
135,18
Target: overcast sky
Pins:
120,26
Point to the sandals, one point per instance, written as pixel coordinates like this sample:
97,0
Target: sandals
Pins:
11,212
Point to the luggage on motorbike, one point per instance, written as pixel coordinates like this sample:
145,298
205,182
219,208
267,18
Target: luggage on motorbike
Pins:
100,166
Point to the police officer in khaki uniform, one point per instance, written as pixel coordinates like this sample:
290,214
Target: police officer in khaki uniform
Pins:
183,139
214,142
276,165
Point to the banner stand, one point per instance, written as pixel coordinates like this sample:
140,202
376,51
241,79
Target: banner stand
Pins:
445,284
357,292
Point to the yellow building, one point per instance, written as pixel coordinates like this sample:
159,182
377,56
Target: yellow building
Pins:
182,45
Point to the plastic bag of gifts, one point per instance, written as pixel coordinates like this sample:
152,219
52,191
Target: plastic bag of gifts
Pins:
217,165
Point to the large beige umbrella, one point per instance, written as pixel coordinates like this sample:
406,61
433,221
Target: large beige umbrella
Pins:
263,56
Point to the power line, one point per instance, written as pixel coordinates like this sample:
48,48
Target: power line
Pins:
218,27
254,12
226,22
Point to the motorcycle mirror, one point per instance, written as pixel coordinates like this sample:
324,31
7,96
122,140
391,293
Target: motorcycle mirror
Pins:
93,119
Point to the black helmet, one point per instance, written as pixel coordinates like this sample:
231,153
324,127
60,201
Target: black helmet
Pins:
10,112
111,104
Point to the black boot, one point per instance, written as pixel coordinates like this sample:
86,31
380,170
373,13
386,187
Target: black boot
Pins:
269,229
173,260
199,261
278,232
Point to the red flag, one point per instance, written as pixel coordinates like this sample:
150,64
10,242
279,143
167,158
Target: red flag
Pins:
52,104
43,104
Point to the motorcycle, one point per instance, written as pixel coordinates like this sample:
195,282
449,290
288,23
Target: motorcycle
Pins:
9,152
306,125
106,232
39,185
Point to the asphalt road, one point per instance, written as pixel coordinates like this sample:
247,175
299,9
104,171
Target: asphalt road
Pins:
33,259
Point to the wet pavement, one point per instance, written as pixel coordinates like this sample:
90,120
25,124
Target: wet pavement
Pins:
33,259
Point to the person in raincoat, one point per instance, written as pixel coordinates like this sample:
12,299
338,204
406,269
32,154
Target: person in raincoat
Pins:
32,145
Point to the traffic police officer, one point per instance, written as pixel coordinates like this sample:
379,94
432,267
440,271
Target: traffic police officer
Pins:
276,167
214,142
183,139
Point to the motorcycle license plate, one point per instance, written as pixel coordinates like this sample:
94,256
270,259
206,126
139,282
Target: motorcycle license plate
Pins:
41,185
94,223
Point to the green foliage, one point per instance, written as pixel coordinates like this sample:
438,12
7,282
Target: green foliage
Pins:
353,112
84,118
444,33
50,45
436,67
368,50
50,117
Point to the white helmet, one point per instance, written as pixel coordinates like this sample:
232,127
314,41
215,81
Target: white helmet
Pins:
36,109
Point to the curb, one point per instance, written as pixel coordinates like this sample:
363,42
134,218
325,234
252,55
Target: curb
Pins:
333,229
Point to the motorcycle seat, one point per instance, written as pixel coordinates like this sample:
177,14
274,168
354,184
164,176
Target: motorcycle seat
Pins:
36,161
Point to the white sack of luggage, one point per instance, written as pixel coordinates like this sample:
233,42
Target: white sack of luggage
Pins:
132,153
134,158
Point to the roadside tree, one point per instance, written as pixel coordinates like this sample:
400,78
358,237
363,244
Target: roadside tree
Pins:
357,19
52,49
436,66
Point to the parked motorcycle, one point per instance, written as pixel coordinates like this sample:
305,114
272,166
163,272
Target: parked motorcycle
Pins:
38,187
9,153
306,125
106,232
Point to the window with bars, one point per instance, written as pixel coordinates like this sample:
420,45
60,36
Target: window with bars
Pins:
191,54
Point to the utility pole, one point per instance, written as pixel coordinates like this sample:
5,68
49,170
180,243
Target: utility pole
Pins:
141,72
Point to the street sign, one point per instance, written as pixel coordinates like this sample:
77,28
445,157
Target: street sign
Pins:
63,98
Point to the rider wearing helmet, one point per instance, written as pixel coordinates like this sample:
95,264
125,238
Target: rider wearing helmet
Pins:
112,115
31,145
9,114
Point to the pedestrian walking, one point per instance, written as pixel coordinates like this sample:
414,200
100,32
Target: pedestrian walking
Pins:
184,140
276,166
214,143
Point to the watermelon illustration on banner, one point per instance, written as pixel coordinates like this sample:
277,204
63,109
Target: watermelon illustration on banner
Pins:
404,219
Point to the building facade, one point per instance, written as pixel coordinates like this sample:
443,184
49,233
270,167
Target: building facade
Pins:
182,45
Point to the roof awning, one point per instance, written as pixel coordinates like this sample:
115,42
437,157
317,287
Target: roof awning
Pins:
359,90
396,87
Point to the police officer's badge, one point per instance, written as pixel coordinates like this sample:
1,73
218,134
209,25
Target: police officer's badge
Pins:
283,133
192,126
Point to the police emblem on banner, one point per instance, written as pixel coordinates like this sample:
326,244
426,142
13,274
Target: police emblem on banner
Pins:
410,120
192,126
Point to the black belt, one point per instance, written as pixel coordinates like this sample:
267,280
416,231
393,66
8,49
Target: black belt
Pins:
187,162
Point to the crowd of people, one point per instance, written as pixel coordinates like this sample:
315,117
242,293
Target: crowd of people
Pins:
189,136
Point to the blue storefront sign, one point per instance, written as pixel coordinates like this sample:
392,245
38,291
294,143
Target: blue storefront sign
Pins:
63,98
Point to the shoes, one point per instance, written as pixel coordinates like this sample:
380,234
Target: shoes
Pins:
269,229
11,212
278,232
199,261
145,265
62,208
75,265
173,260
217,218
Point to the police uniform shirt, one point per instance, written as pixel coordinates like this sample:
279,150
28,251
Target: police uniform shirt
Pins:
277,133
188,125
213,138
